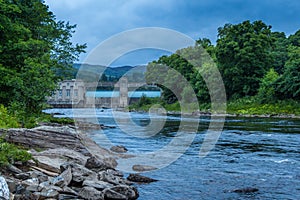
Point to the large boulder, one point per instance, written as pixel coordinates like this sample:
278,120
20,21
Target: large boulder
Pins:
46,137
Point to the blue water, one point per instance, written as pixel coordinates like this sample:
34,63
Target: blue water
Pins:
131,94
252,152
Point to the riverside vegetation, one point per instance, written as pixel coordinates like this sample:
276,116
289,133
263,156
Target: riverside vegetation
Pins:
260,70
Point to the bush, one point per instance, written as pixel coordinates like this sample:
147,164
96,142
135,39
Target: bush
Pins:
10,153
7,120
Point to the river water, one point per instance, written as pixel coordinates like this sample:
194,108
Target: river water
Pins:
261,153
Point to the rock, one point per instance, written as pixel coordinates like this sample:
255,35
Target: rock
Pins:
50,164
39,175
110,178
68,190
110,194
29,182
64,153
14,169
67,196
115,172
140,179
246,190
4,191
23,176
121,192
20,189
99,185
90,193
80,174
33,188
63,179
143,168
48,193
119,149
12,185
96,164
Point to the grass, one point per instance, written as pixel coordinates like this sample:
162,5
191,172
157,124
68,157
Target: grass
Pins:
243,106
175,107
251,106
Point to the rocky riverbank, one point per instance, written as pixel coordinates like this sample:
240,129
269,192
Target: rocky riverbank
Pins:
66,164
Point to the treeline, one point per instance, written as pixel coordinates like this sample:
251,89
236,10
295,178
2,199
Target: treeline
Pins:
35,52
253,60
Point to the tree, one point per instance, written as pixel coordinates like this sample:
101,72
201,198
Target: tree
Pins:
243,54
289,82
279,51
35,51
267,89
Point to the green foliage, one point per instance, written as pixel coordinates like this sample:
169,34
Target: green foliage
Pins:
243,54
143,101
253,106
289,82
10,153
6,119
267,89
34,50
279,52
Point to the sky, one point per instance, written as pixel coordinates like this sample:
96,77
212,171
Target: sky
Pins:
98,20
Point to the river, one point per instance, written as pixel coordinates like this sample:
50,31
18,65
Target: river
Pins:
261,153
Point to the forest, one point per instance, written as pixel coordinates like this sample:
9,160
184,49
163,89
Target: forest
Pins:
260,69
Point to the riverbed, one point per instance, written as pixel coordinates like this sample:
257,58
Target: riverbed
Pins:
262,153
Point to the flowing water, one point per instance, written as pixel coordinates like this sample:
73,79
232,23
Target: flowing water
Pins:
261,153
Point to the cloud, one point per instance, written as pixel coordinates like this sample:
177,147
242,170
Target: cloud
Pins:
98,20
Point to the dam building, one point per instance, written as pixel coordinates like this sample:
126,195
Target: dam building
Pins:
76,93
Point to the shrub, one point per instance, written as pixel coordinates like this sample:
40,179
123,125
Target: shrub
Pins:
7,120
10,153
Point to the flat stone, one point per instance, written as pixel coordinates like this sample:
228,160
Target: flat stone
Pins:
140,179
143,168
64,153
50,164
246,190
119,149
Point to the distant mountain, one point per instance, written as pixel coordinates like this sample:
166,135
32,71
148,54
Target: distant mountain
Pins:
90,72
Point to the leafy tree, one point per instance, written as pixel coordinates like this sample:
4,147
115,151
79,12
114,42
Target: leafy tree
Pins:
208,46
289,82
35,50
267,89
279,51
243,54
